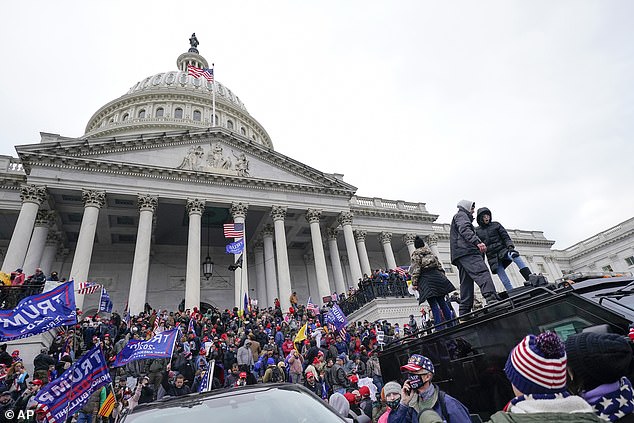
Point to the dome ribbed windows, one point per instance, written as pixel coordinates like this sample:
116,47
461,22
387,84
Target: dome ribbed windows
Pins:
197,115
160,112
178,113
141,114
230,125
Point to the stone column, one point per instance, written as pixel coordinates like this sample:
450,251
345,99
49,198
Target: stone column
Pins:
50,251
386,241
93,202
32,196
278,213
337,270
241,279
269,265
312,216
260,275
195,208
408,239
359,237
345,219
311,277
38,241
432,239
141,265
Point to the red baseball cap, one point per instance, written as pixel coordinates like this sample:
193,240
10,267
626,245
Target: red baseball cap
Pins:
37,382
309,374
350,397
243,375
364,390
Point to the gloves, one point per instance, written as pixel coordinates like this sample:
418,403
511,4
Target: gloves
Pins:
514,254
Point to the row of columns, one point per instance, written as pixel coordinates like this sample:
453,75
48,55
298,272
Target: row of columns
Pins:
271,281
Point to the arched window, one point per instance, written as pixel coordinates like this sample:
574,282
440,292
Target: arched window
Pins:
197,115
160,112
141,113
178,113
125,117
243,131
230,125
253,136
217,120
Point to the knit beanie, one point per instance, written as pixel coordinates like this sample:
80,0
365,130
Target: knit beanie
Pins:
392,388
598,358
537,365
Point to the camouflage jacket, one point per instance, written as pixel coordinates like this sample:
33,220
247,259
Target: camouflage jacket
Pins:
423,259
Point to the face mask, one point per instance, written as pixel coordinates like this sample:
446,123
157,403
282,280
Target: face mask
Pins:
393,404
415,381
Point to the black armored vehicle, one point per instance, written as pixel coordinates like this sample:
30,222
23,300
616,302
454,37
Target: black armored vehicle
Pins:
469,357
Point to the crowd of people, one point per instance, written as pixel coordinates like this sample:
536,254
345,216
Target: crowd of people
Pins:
581,379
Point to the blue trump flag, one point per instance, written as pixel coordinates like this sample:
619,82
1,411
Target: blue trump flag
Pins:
39,313
336,317
68,393
235,247
160,345
105,303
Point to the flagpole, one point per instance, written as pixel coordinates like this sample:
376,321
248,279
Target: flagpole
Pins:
213,98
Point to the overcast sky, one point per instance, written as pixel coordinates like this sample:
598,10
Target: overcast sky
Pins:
522,106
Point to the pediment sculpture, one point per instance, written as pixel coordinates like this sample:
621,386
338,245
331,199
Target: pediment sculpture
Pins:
215,160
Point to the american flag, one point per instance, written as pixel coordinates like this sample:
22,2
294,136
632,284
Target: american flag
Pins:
233,230
310,306
190,327
207,73
43,408
401,271
88,288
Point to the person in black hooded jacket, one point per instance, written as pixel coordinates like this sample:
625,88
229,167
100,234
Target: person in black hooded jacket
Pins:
500,249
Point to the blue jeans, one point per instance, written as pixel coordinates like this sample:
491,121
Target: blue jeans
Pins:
440,309
502,273
84,417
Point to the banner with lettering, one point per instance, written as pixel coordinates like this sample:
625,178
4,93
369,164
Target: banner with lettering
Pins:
160,345
235,247
68,393
336,317
39,313
105,303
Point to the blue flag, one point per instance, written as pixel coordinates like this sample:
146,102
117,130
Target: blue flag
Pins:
160,345
246,308
336,317
68,393
208,377
105,303
39,313
235,247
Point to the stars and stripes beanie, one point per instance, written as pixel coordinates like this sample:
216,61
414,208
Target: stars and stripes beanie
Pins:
537,365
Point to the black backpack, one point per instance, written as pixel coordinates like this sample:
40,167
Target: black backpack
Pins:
276,375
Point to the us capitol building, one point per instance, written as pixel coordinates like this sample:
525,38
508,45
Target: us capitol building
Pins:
138,203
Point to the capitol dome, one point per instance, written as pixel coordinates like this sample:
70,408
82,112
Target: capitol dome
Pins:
174,100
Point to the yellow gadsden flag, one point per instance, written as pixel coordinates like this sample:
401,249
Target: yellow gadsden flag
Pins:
301,335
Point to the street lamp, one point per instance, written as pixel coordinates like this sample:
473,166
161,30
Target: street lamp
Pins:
208,265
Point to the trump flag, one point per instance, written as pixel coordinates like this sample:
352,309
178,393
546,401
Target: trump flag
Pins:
39,313
69,392
160,345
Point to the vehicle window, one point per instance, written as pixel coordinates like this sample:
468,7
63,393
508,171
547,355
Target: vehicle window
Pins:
261,406
565,328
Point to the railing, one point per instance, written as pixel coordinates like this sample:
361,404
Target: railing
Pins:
10,296
371,289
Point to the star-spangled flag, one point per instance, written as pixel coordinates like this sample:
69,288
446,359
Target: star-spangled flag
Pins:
208,378
88,288
196,72
126,316
310,306
233,230
401,271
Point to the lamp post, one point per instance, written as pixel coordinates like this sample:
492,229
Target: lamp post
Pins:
208,265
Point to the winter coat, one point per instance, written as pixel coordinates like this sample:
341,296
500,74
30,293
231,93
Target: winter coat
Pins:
245,356
496,239
428,274
463,240
568,409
